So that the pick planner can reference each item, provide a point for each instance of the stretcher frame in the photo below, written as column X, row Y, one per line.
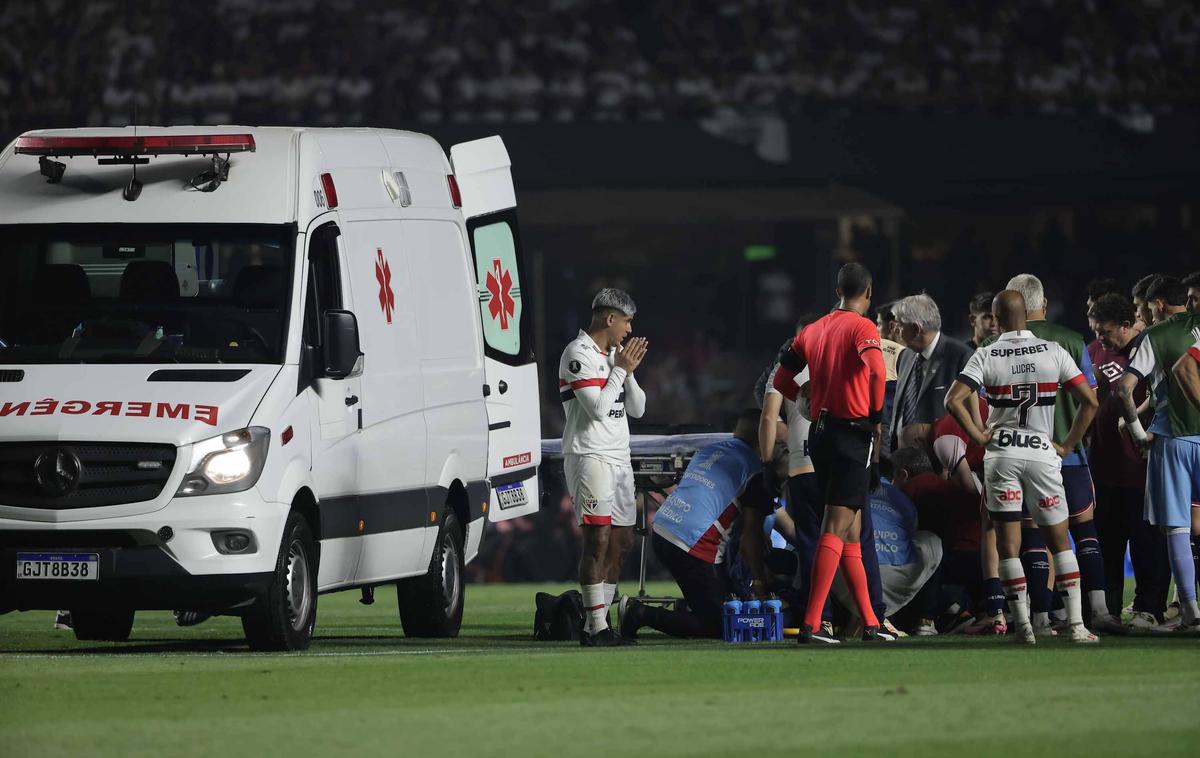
column 659, row 462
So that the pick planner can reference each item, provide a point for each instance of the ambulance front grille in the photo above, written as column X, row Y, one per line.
column 68, row 475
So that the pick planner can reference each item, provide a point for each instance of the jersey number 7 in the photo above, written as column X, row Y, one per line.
column 1026, row 396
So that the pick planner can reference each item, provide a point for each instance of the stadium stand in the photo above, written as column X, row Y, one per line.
column 342, row 62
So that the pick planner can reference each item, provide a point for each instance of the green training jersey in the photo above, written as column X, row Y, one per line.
column 1152, row 358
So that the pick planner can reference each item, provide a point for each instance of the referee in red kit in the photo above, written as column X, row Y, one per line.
column 846, row 379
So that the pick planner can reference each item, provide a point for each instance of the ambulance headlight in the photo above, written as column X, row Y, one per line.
column 228, row 463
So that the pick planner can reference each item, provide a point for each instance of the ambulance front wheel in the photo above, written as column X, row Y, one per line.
column 106, row 625
column 283, row 618
column 432, row 605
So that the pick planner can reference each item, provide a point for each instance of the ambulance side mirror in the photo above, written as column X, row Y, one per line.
column 342, row 355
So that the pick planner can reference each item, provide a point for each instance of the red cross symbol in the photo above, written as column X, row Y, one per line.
column 499, row 284
column 383, row 273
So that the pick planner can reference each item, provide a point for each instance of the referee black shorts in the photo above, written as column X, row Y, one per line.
column 841, row 455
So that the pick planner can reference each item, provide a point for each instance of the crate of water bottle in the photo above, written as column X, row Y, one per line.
column 753, row 620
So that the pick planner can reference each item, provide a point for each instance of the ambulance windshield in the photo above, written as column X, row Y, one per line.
column 160, row 293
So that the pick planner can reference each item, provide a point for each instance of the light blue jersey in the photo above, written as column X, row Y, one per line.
column 697, row 515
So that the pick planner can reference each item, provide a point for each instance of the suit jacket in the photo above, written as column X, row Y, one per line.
column 943, row 366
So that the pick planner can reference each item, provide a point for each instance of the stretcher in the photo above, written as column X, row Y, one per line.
column 659, row 461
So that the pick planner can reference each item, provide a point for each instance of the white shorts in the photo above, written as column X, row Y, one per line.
column 1038, row 485
column 602, row 491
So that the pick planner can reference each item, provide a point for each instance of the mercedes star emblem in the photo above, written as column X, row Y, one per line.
column 56, row 472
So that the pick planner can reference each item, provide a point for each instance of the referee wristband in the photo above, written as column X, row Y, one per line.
column 1136, row 431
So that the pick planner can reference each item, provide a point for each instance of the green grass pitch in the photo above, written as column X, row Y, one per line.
column 363, row 689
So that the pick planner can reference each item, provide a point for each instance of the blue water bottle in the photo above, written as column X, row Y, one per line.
column 774, row 610
column 733, row 608
column 753, row 607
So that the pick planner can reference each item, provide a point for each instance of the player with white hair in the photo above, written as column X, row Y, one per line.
column 597, row 389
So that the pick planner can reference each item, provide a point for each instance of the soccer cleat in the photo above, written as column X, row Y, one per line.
column 1059, row 624
column 808, row 636
column 62, row 620
column 629, row 617
column 1173, row 611
column 606, row 637
column 960, row 624
column 1177, row 626
column 1142, row 621
column 827, row 628
column 191, row 618
column 877, row 634
column 987, row 625
column 1081, row 635
column 1108, row 624
column 889, row 627
column 1044, row 630
column 926, row 629
column 1025, row 635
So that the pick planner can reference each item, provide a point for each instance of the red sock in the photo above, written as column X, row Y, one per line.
column 856, row 577
column 829, row 552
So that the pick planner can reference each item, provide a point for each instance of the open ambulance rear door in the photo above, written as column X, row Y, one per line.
column 489, row 203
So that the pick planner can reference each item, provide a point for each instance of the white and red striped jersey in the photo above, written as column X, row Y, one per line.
column 1020, row 375
column 596, row 395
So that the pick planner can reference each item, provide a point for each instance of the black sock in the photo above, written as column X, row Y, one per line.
column 1091, row 567
column 1196, row 558
column 993, row 593
column 1036, row 560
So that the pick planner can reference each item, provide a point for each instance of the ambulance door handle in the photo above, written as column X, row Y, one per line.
column 352, row 400
column 503, row 386
column 487, row 391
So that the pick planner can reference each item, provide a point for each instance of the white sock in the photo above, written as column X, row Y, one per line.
column 1099, row 602
column 1066, row 581
column 594, row 606
column 1012, row 577
column 610, row 594
column 1041, row 619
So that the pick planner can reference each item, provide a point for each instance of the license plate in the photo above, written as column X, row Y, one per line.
column 71, row 566
column 512, row 495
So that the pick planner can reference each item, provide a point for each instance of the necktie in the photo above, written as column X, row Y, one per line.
column 912, row 389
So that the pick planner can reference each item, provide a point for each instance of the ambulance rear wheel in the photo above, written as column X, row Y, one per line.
column 432, row 605
column 107, row 625
column 283, row 619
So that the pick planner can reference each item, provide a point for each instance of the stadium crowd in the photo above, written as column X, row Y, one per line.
column 347, row 63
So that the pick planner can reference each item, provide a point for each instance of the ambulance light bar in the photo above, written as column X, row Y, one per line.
column 166, row 144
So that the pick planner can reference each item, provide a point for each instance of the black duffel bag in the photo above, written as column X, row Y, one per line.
column 558, row 617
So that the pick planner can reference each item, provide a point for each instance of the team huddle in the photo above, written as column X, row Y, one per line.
column 838, row 459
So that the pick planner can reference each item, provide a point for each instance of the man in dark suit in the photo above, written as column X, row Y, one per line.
column 924, row 372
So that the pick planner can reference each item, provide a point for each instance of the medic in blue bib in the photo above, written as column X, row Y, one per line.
column 723, row 482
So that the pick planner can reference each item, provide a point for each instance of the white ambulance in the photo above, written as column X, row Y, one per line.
column 243, row 366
